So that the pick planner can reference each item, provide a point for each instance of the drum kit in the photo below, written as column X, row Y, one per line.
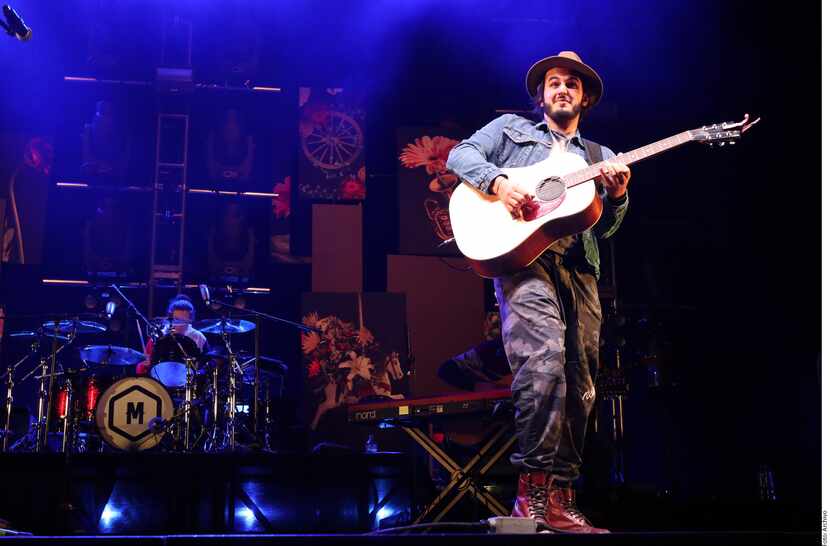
column 192, row 400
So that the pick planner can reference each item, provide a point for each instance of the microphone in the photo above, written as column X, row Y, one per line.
column 110, row 309
column 157, row 425
column 15, row 25
column 205, row 292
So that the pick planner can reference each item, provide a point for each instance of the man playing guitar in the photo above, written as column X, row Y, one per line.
column 550, row 310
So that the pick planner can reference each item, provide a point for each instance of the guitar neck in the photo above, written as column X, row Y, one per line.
column 629, row 158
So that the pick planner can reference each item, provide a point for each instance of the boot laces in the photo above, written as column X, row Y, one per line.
column 538, row 501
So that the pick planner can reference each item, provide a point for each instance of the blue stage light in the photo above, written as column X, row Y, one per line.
column 108, row 516
column 384, row 513
column 246, row 517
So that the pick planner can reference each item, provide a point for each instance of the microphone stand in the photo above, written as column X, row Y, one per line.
column 150, row 326
column 302, row 327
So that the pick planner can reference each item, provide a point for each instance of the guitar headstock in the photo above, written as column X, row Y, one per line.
column 723, row 133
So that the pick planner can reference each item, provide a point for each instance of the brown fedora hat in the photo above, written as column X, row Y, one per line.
column 570, row 60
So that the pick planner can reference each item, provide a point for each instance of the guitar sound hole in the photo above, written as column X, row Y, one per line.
column 550, row 189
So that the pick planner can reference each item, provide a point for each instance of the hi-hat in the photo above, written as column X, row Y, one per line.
column 219, row 326
column 111, row 355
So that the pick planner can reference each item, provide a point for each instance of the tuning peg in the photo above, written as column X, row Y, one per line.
column 731, row 142
column 722, row 144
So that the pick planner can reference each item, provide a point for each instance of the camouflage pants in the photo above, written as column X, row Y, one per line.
column 550, row 327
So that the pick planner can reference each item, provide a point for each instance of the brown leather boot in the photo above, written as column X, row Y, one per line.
column 532, row 496
column 563, row 515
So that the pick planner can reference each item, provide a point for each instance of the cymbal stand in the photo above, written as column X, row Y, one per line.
column 267, row 435
column 233, row 371
column 44, row 402
column 10, row 392
column 66, row 416
column 232, row 358
column 214, row 435
column 617, row 423
column 188, row 399
column 41, row 440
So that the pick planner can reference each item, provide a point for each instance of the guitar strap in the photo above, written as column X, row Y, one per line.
column 593, row 151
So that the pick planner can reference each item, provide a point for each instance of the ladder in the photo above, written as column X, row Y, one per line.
column 170, row 176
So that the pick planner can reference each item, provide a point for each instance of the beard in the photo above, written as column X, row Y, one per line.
column 562, row 117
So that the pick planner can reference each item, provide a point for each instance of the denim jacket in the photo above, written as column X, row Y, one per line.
column 514, row 141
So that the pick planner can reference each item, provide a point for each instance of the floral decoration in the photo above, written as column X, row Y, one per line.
column 432, row 153
column 345, row 364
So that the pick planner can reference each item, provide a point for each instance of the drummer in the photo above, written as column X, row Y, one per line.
column 182, row 313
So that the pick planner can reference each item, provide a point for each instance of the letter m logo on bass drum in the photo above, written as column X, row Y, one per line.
column 135, row 410
column 130, row 410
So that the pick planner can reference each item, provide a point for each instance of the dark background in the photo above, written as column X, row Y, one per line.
column 720, row 247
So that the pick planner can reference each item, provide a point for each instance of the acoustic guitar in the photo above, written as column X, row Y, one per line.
column 495, row 243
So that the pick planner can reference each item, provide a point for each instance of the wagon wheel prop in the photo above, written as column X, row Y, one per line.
column 334, row 143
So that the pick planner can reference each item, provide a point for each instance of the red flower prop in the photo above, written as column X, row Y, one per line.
column 39, row 155
column 352, row 188
column 429, row 152
column 281, row 204
column 314, row 369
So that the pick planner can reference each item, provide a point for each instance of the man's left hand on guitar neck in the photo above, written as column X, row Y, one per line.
column 615, row 177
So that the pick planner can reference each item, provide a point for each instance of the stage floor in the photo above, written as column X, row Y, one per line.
column 435, row 539
column 256, row 498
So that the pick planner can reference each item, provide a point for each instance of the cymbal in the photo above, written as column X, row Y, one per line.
column 269, row 368
column 230, row 326
column 267, row 365
column 111, row 355
column 220, row 352
column 74, row 326
column 32, row 334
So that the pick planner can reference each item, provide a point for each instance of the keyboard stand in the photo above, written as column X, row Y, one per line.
column 467, row 479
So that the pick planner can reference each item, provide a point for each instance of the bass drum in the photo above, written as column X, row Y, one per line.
column 125, row 411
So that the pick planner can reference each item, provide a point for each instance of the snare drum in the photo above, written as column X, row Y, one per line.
column 127, row 409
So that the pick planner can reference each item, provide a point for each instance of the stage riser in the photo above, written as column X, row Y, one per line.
column 176, row 493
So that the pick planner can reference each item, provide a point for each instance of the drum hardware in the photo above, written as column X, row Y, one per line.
column 267, row 435
column 111, row 355
column 9, row 375
column 227, row 441
column 190, row 364
column 73, row 327
column 46, row 395
column 152, row 329
column 174, row 361
column 64, row 404
column 159, row 426
column 50, row 405
column 37, row 335
column 222, row 328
